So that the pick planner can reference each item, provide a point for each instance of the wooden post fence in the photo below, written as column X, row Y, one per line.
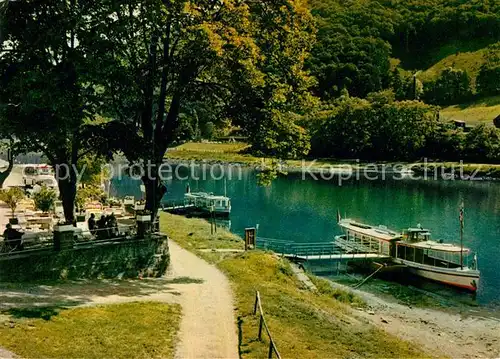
column 263, row 324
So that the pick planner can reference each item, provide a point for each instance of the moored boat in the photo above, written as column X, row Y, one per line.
column 442, row 262
column 219, row 206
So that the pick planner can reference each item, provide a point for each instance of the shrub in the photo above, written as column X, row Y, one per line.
column 45, row 199
column 482, row 144
column 488, row 80
column 89, row 193
column 12, row 197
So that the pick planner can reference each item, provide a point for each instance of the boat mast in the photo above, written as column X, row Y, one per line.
column 462, row 236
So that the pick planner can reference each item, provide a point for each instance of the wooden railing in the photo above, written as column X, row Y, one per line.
column 263, row 324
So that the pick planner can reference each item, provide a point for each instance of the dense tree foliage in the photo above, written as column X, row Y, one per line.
column 380, row 128
column 405, row 85
column 488, row 80
column 356, row 39
column 376, row 128
column 351, row 50
column 47, row 97
column 451, row 87
column 483, row 143
column 243, row 58
column 336, row 77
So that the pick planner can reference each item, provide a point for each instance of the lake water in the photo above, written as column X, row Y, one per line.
column 305, row 210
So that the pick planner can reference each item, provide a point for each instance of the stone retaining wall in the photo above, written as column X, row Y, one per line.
column 127, row 258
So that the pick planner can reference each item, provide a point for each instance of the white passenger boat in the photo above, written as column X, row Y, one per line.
column 442, row 262
column 209, row 203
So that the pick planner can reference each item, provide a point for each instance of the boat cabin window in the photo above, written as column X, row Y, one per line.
column 430, row 257
column 418, row 235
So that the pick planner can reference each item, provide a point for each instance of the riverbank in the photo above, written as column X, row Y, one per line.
column 303, row 323
column 237, row 154
column 336, row 318
column 457, row 335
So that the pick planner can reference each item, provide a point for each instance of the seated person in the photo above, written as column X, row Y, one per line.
column 102, row 227
column 112, row 225
column 13, row 238
column 92, row 224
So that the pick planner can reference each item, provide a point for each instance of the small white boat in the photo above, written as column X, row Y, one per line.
column 442, row 262
column 209, row 203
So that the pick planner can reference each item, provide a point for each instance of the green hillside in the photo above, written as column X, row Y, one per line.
column 474, row 113
column 470, row 61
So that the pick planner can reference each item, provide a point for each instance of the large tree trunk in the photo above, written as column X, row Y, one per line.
column 155, row 190
column 7, row 172
column 67, row 190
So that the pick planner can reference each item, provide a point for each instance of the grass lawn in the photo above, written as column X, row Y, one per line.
column 303, row 324
column 215, row 152
column 474, row 113
column 131, row 330
column 213, row 147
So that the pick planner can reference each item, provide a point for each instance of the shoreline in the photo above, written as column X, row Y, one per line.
column 436, row 332
column 468, row 172
column 456, row 334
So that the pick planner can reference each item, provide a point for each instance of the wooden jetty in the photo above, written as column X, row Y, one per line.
column 179, row 207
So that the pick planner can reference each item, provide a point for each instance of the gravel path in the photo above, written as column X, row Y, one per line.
column 4, row 354
column 208, row 326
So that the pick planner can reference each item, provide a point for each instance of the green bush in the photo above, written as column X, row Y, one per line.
column 482, row 144
column 45, row 199
column 488, row 80
column 89, row 193
column 12, row 197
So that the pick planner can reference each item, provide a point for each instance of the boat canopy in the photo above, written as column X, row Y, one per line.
column 380, row 232
column 207, row 196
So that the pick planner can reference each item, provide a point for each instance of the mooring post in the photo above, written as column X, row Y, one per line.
column 270, row 355
column 255, row 306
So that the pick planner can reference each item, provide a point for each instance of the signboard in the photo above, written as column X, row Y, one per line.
column 250, row 234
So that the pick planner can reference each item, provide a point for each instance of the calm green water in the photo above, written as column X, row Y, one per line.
column 305, row 211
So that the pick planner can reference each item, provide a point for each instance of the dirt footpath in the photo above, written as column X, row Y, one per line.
column 208, row 327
